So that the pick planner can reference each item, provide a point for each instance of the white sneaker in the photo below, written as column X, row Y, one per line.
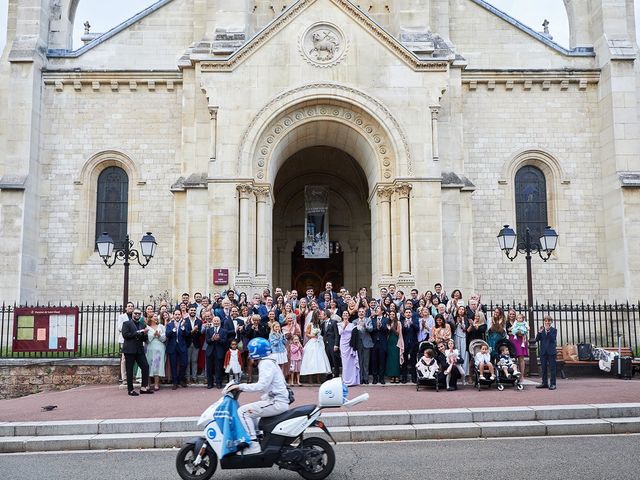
column 254, row 447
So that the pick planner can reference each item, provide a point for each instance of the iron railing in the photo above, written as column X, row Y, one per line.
column 598, row 324
column 97, row 332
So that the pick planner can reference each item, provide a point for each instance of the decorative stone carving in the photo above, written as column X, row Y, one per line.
column 323, row 45
column 349, row 115
column 384, row 193
column 244, row 190
column 262, row 193
column 403, row 189
column 372, row 131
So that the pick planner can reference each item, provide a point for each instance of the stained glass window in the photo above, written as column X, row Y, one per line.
column 531, row 202
column 112, row 204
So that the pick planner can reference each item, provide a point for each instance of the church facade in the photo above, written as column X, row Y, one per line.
column 430, row 123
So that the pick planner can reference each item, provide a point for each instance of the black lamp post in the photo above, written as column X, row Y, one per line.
column 127, row 252
column 507, row 239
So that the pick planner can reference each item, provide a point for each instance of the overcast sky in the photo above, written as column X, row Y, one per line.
column 104, row 15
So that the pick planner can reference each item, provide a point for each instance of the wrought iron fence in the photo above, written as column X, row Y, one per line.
column 598, row 324
column 97, row 332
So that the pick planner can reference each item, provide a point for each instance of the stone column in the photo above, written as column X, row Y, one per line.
column 262, row 232
column 434, row 133
column 244, row 191
column 213, row 135
column 384, row 198
column 403, row 190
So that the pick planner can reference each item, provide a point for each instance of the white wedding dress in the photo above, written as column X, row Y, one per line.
column 314, row 359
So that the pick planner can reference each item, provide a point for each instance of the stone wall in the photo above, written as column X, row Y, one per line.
column 20, row 377
column 130, row 124
column 500, row 126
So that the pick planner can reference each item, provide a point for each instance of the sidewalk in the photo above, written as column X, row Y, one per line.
column 110, row 402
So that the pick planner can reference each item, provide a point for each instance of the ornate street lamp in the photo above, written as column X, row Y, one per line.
column 507, row 239
column 127, row 252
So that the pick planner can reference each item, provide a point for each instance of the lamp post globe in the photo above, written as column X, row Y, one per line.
column 105, row 246
column 549, row 240
column 507, row 239
column 148, row 246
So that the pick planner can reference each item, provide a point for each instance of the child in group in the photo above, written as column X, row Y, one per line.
column 427, row 365
column 296, row 350
column 452, row 358
column 233, row 362
column 483, row 360
column 520, row 329
column 507, row 364
column 278, row 345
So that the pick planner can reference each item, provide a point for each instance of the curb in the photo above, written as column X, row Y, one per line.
column 462, row 423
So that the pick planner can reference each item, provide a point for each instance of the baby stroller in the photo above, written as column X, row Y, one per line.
column 422, row 380
column 474, row 347
column 501, row 379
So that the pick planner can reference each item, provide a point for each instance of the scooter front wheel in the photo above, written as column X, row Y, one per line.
column 320, row 462
column 188, row 471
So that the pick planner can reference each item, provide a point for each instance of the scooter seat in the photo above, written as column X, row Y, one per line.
column 267, row 424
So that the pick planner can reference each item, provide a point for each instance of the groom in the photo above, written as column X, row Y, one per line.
column 331, row 338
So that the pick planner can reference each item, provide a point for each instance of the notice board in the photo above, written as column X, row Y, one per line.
column 45, row 329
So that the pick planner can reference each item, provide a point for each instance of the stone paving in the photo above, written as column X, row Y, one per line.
column 111, row 402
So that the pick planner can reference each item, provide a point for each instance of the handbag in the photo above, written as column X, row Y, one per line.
column 585, row 352
column 355, row 337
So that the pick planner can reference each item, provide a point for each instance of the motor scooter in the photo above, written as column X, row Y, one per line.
column 281, row 439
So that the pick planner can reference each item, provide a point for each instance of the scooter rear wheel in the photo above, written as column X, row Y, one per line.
column 188, row 471
column 323, row 463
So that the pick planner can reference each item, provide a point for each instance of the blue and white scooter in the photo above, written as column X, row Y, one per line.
column 283, row 442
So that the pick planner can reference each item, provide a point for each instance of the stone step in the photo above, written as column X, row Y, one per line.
column 334, row 419
column 359, row 433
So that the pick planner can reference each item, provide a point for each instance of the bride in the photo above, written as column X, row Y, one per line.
column 314, row 361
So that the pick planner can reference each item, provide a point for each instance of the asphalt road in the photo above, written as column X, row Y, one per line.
column 563, row 458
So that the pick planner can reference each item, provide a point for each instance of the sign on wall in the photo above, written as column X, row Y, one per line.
column 45, row 329
column 316, row 224
column 220, row 276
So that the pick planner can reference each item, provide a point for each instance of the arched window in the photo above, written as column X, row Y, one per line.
column 531, row 202
column 112, row 204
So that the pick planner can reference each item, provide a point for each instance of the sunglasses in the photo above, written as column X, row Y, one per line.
column 137, row 313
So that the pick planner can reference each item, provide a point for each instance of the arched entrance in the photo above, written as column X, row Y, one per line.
column 332, row 135
column 349, row 263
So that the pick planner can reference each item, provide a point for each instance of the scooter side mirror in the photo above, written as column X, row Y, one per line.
column 359, row 399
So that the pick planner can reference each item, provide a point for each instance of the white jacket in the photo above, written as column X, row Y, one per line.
column 270, row 381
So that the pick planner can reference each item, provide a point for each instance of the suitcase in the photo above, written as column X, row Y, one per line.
column 623, row 367
column 585, row 352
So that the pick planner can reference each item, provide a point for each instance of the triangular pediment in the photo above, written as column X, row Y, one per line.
column 211, row 62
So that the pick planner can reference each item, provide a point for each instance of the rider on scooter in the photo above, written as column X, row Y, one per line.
column 271, row 381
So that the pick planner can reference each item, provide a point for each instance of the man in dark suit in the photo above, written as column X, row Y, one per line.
column 135, row 334
column 178, row 334
column 410, row 329
column 234, row 327
column 194, row 346
column 331, row 338
column 546, row 337
column 379, row 336
column 216, row 338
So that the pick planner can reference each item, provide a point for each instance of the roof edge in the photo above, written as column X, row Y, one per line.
column 60, row 53
column 573, row 52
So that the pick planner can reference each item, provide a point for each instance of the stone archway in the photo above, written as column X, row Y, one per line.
column 364, row 132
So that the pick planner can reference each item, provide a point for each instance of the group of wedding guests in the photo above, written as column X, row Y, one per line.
column 315, row 336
